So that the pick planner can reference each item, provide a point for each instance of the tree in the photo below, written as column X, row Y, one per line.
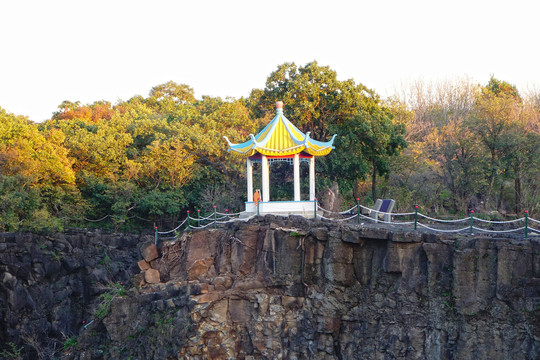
column 35, row 172
column 179, row 93
column 168, row 97
column 318, row 102
column 473, row 142
column 27, row 151
column 456, row 151
column 368, row 140
column 496, row 112
column 219, row 175
column 312, row 95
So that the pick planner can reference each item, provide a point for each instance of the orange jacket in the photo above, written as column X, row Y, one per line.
column 257, row 197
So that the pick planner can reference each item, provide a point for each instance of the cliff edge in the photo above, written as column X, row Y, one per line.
column 277, row 287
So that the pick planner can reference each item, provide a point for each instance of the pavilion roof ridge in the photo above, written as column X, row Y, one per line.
column 292, row 131
column 281, row 137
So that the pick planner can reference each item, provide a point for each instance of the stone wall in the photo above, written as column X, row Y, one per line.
column 292, row 288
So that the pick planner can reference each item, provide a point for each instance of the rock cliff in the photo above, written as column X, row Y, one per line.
column 273, row 288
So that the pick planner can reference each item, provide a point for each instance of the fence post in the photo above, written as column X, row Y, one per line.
column 358, row 209
column 199, row 218
column 471, row 221
column 188, row 219
column 258, row 204
column 415, row 216
column 215, row 217
column 315, row 208
column 156, row 235
column 526, row 223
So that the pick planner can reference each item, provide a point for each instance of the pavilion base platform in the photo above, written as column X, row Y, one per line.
column 280, row 208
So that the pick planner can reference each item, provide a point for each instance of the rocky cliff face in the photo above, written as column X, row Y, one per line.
column 287, row 288
column 50, row 284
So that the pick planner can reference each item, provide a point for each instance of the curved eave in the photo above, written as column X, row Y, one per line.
column 319, row 148
column 295, row 143
column 246, row 154
column 321, row 151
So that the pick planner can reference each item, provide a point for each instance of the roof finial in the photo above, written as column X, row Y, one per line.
column 279, row 105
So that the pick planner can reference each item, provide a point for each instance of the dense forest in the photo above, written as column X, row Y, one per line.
column 448, row 147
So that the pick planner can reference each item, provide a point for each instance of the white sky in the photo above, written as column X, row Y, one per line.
column 87, row 51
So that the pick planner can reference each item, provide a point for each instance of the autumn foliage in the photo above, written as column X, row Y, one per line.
column 145, row 161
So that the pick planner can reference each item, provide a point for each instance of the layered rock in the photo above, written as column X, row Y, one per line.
column 296, row 289
column 51, row 284
column 293, row 288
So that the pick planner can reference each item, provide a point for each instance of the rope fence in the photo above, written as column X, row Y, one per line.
column 358, row 213
column 211, row 220
column 428, row 222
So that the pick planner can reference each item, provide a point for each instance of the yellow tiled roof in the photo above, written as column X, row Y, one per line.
column 281, row 137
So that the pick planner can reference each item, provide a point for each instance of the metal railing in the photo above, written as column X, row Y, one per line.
column 432, row 222
column 357, row 213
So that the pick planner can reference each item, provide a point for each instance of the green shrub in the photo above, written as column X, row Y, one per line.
column 69, row 343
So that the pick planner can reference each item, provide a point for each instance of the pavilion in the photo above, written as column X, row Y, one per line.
column 280, row 140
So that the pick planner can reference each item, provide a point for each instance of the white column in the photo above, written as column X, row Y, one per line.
column 312, row 178
column 296, row 165
column 249, row 175
column 265, row 179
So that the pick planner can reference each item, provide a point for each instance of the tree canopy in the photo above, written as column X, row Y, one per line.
column 145, row 161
